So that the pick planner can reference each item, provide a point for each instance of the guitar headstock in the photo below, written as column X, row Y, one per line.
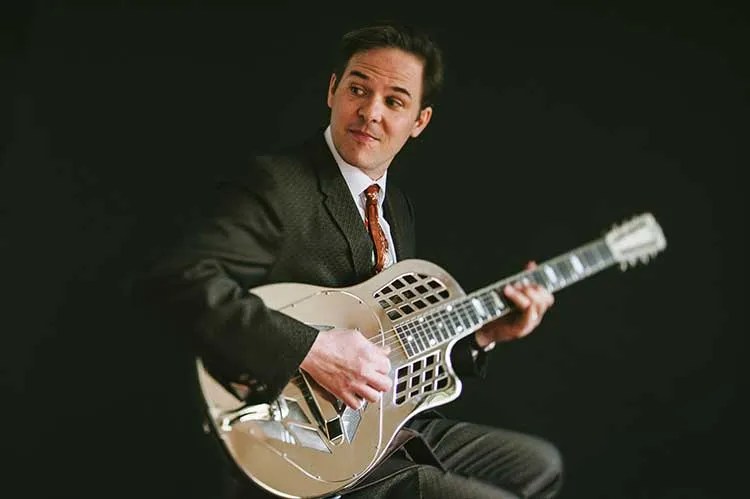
column 637, row 239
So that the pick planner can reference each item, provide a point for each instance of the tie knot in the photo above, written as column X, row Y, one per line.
column 372, row 192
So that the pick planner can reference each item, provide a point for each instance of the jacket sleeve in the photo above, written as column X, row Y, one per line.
column 464, row 363
column 202, row 287
column 462, row 360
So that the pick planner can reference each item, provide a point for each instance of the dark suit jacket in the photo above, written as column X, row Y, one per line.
column 289, row 217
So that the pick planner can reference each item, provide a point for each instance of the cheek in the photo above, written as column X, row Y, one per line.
column 403, row 129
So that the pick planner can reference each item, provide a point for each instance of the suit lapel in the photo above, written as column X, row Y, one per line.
column 340, row 205
column 393, row 212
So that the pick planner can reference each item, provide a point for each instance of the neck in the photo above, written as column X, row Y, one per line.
column 375, row 173
column 461, row 317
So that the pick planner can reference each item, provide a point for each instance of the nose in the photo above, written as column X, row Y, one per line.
column 371, row 110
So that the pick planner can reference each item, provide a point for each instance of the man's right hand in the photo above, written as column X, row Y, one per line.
column 349, row 366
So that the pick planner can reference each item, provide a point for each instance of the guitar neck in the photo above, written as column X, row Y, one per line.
column 459, row 318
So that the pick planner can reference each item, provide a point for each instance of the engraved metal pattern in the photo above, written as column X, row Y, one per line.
column 410, row 293
column 293, row 429
column 422, row 376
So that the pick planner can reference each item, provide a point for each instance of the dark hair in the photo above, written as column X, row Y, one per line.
column 407, row 38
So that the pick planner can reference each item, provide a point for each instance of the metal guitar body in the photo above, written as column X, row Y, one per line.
column 306, row 443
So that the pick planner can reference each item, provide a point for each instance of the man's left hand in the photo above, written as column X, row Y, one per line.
column 531, row 302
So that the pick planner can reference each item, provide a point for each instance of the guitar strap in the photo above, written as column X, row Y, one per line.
column 411, row 450
column 415, row 447
column 421, row 453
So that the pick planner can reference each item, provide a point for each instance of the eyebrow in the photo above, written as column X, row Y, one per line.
column 359, row 74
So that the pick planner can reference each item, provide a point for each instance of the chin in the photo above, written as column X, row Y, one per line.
column 356, row 160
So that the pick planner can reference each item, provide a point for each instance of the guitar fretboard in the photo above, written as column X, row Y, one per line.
column 458, row 318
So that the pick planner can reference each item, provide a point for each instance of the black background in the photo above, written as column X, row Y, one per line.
column 556, row 122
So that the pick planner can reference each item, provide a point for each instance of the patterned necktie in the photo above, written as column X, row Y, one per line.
column 373, row 226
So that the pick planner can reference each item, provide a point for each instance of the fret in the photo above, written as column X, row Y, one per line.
column 419, row 331
column 422, row 334
column 458, row 318
column 442, row 325
column 445, row 320
column 537, row 276
column 458, row 326
column 600, row 256
column 500, row 299
column 414, row 333
column 577, row 265
column 583, row 258
column 437, row 324
column 606, row 255
column 479, row 308
column 462, row 311
column 552, row 278
column 489, row 305
column 409, row 337
column 564, row 269
column 430, row 333
column 473, row 317
column 471, row 314
column 590, row 258
column 405, row 341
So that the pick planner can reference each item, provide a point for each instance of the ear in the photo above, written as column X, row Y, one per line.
column 331, row 89
column 422, row 120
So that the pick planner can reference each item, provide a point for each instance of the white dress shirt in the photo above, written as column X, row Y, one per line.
column 358, row 181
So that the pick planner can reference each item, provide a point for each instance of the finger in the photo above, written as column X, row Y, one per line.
column 530, row 265
column 379, row 381
column 368, row 393
column 517, row 297
column 382, row 363
column 351, row 400
column 534, row 315
column 539, row 296
column 531, row 304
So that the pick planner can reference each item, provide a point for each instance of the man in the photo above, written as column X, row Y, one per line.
column 304, row 216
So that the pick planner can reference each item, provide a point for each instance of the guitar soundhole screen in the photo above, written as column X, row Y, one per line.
column 410, row 293
column 420, row 377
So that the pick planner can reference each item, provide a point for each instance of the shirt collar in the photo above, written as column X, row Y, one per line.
column 356, row 179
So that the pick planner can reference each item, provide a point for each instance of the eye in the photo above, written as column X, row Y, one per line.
column 393, row 102
column 355, row 90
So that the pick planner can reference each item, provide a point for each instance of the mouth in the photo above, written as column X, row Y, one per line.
column 363, row 136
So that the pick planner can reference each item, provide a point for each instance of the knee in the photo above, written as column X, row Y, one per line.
column 550, row 455
column 549, row 467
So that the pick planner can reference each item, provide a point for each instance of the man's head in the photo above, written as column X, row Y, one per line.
column 382, row 93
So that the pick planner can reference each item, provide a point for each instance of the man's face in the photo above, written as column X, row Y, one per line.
column 375, row 108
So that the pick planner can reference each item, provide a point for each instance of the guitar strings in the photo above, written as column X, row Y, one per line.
column 600, row 260
column 394, row 339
